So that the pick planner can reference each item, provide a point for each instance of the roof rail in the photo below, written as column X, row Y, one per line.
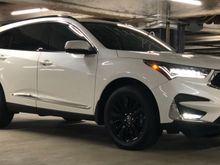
column 49, row 16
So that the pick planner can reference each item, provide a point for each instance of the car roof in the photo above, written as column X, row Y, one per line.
column 84, row 20
column 41, row 17
column 17, row 23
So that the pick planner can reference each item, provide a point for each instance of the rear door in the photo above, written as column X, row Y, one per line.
column 18, row 62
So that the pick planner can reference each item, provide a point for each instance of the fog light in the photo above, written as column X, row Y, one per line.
column 188, row 113
column 180, row 112
column 191, row 116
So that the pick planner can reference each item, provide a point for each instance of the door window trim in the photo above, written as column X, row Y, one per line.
column 69, row 25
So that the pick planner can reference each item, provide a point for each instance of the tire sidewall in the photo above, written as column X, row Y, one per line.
column 151, row 116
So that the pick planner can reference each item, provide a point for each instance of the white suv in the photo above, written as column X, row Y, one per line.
column 112, row 73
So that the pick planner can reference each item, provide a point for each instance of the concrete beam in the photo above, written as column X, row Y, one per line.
column 208, row 8
column 128, row 9
column 123, row 9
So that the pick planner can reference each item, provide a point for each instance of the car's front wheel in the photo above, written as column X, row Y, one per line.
column 131, row 118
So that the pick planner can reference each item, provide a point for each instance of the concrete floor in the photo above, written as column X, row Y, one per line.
column 33, row 140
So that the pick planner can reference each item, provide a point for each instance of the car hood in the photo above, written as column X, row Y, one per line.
column 204, row 61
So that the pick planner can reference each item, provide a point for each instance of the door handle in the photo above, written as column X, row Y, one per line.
column 3, row 57
column 46, row 63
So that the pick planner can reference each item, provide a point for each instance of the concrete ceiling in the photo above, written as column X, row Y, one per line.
column 114, row 9
column 125, row 8
column 208, row 8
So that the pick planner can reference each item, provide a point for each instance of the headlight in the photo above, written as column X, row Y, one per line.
column 175, row 70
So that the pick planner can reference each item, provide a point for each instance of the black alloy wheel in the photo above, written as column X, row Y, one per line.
column 131, row 118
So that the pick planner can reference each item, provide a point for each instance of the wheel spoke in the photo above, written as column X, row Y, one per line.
column 136, row 131
column 120, row 106
column 136, row 106
column 116, row 125
column 139, row 123
column 116, row 109
column 125, row 100
column 121, row 132
column 127, row 118
column 112, row 122
column 115, row 115
column 136, row 112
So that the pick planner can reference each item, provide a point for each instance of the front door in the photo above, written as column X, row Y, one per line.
column 66, row 81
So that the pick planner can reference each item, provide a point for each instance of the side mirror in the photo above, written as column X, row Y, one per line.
column 79, row 47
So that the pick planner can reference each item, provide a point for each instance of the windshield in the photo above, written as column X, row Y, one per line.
column 122, row 37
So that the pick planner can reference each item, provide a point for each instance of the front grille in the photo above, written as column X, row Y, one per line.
column 215, row 80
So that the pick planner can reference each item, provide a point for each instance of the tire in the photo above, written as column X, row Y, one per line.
column 5, row 116
column 132, row 119
column 71, row 120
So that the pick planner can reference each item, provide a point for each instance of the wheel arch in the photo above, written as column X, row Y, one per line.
column 111, row 87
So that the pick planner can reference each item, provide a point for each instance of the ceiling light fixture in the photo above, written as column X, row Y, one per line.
column 29, row 11
column 190, row 2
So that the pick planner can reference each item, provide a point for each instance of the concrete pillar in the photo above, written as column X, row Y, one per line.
column 180, row 38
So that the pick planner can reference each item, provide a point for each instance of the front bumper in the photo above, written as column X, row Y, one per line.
column 194, row 129
column 189, row 120
column 196, row 96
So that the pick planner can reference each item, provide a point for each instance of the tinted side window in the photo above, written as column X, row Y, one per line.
column 29, row 37
column 59, row 35
column 105, row 34
column 5, row 39
column 120, row 38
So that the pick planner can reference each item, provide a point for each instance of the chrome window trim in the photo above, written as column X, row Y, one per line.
column 48, row 20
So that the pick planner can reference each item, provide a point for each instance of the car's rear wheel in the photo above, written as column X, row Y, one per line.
column 132, row 119
column 5, row 116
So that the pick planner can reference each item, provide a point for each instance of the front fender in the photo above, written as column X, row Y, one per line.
column 116, row 68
